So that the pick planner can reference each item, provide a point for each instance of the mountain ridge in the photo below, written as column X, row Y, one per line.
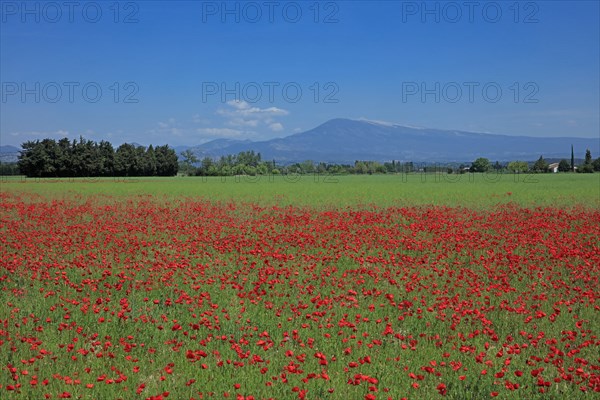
column 342, row 140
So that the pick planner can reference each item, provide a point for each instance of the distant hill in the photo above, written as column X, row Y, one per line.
column 9, row 153
column 345, row 140
column 215, row 146
column 9, row 149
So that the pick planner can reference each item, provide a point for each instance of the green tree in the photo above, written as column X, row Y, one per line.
column 224, row 171
column 26, row 162
column 390, row 167
column 205, row 165
column 540, row 165
column 150, row 161
column 263, row 168
column 166, row 161
column 139, row 161
column 39, row 159
column 187, row 165
column 9, row 168
column 125, row 160
column 238, row 169
column 307, row 167
column 587, row 166
column 248, row 158
column 249, row 170
column 564, row 166
column 50, row 157
column 360, row 167
column 596, row 164
column 480, row 165
column 588, row 157
column 572, row 159
column 84, row 158
column 106, row 154
column 518, row 167
column 322, row 168
column 94, row 161
column 189, row 157
column 47, row 158
column 64, row 161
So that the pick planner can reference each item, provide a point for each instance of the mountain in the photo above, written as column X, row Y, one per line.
column 9, row 153
column 345, row 140
column 218, row 144
column 9, row 149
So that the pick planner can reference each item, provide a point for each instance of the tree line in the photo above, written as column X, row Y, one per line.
column 251, row 163
column 541, row 165
column 86, row 158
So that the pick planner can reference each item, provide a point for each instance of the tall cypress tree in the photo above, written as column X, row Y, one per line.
column 572, row 159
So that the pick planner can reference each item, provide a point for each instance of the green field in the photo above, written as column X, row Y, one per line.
column 359, row 287
column 468, row 190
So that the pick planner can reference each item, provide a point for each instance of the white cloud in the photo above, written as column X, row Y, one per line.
column 170, row 127
column 176, row 131
column 41, row 134
column 239, row 120
column 240, row 113
column 276, row 127
column 243, row 122
column 239, row 104
column 165, row 129
column 197, row 119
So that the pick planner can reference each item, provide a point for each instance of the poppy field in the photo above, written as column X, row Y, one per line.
column 155, row 297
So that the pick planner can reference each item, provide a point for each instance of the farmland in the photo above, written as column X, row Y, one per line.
column 327, row 191
column 375, row 287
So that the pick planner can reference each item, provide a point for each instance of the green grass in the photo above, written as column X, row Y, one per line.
column 468, row 190
column 84, row 282
column 176, row 260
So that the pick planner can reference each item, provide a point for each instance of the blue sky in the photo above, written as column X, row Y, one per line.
column 154, row 72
